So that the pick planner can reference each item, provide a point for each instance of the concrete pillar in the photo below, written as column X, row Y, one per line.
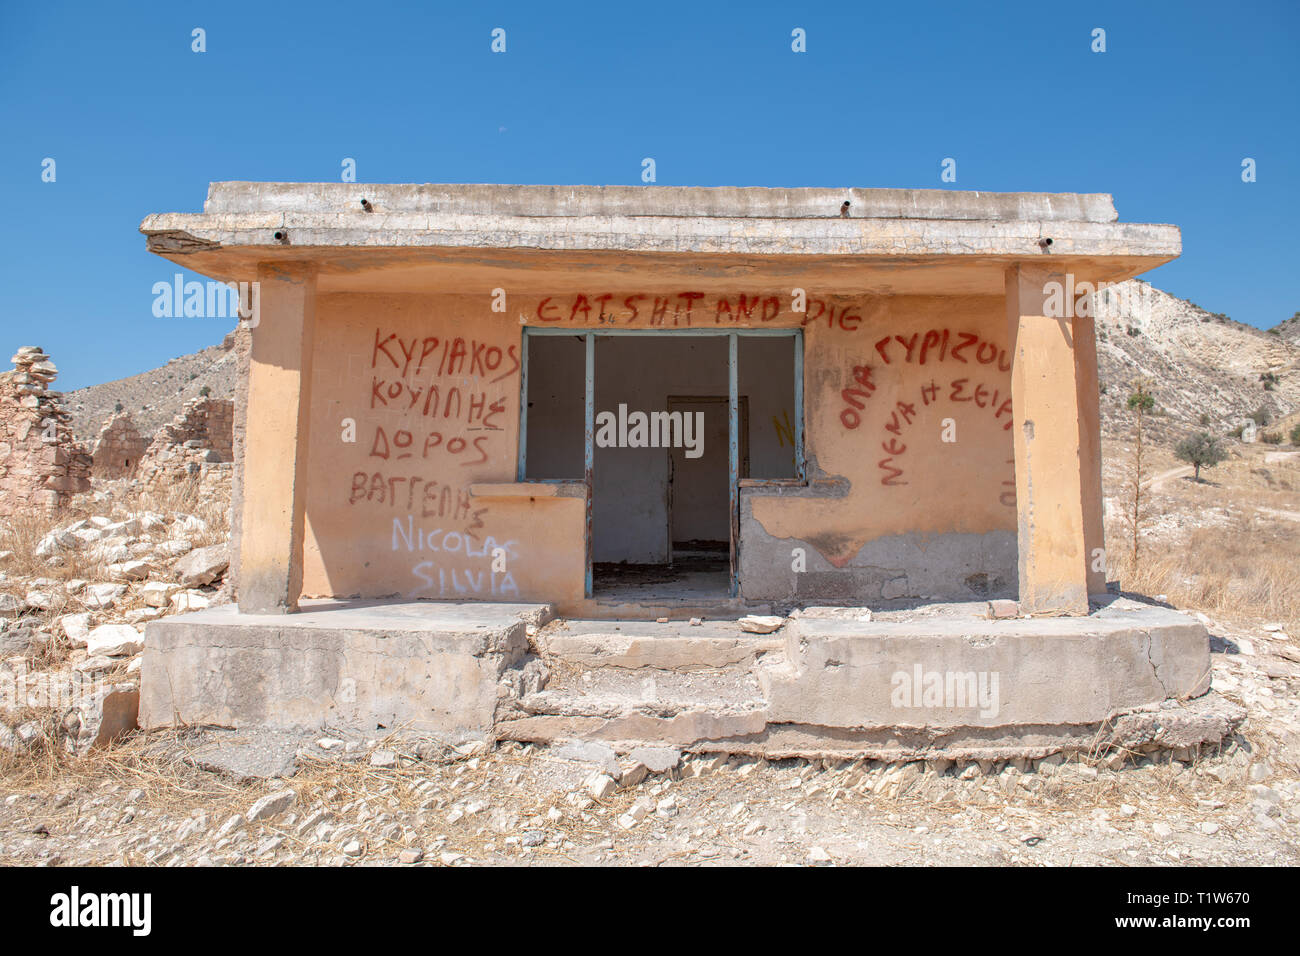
column 1089, row 399
column 1048, row 428
column 275, row 441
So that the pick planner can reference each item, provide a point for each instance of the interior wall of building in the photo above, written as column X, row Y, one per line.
column 630, row 516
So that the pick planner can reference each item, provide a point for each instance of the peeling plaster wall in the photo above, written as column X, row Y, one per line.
column 892, row 511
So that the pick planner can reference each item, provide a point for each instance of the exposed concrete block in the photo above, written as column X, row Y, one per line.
column 953, row 672
column 363, row 666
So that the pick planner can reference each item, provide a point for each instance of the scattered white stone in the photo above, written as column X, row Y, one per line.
column 634, row 774
column 158, row 593
column 97, row 664
column 112, row 552
column 271, row 805
column 818, row 855
column 383, row 759
column 173, row 548
column 601, row 786
column 11, row 606
column 190, row 524
column 131, row 570
column 190, row 601
column 76, row 628
column 42, row 599
column 760, row 623
column 202, row 566
column 114, row 640
column 56, row 542
column 102, row 595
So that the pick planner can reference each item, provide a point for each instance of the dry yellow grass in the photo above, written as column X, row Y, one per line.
column 1248, row 571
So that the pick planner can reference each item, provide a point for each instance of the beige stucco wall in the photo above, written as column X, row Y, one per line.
column 893, row 510
column 881, row 475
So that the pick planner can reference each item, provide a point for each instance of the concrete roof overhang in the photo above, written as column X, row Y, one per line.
column 455, row 238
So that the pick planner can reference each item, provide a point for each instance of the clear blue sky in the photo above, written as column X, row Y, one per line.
column 137, row 123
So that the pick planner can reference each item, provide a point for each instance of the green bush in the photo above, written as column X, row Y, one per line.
column 1202, row 450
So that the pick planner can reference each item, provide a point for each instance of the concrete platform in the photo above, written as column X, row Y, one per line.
column 363, row 666
column 933, row 681
column 927, row 683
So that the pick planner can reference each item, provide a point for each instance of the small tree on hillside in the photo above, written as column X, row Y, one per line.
column 1200, row 451
column 1141, row 403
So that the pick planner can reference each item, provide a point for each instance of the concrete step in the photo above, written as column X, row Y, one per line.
column 656, row 606
column 673, row 646
column 635, row 687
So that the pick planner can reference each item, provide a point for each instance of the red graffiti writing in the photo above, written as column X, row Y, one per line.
column 401, row 445
column 454, row 356
column 941, row 345
column 404, row 492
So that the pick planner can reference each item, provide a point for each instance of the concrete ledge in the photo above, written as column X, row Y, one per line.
column 364, row 666
column 971, row 672
column 529, row 489
column 1171, row 725
column 181, row 233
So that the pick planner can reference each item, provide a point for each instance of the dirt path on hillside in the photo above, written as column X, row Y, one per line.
column 1154, row 482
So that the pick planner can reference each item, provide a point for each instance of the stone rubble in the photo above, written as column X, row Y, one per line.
column 95, row 627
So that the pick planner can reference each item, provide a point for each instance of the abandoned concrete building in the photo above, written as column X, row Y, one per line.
column 472, row 408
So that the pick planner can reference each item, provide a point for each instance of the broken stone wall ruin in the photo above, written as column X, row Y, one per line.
column 118, row 449
column 197, row 445
column 41, row 464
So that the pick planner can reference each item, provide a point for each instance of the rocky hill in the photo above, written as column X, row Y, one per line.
column 1204, row 370
column 155, row 397
column 1288, row 330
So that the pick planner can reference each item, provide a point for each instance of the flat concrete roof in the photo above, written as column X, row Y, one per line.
column 686, row 202
column 436, row 236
